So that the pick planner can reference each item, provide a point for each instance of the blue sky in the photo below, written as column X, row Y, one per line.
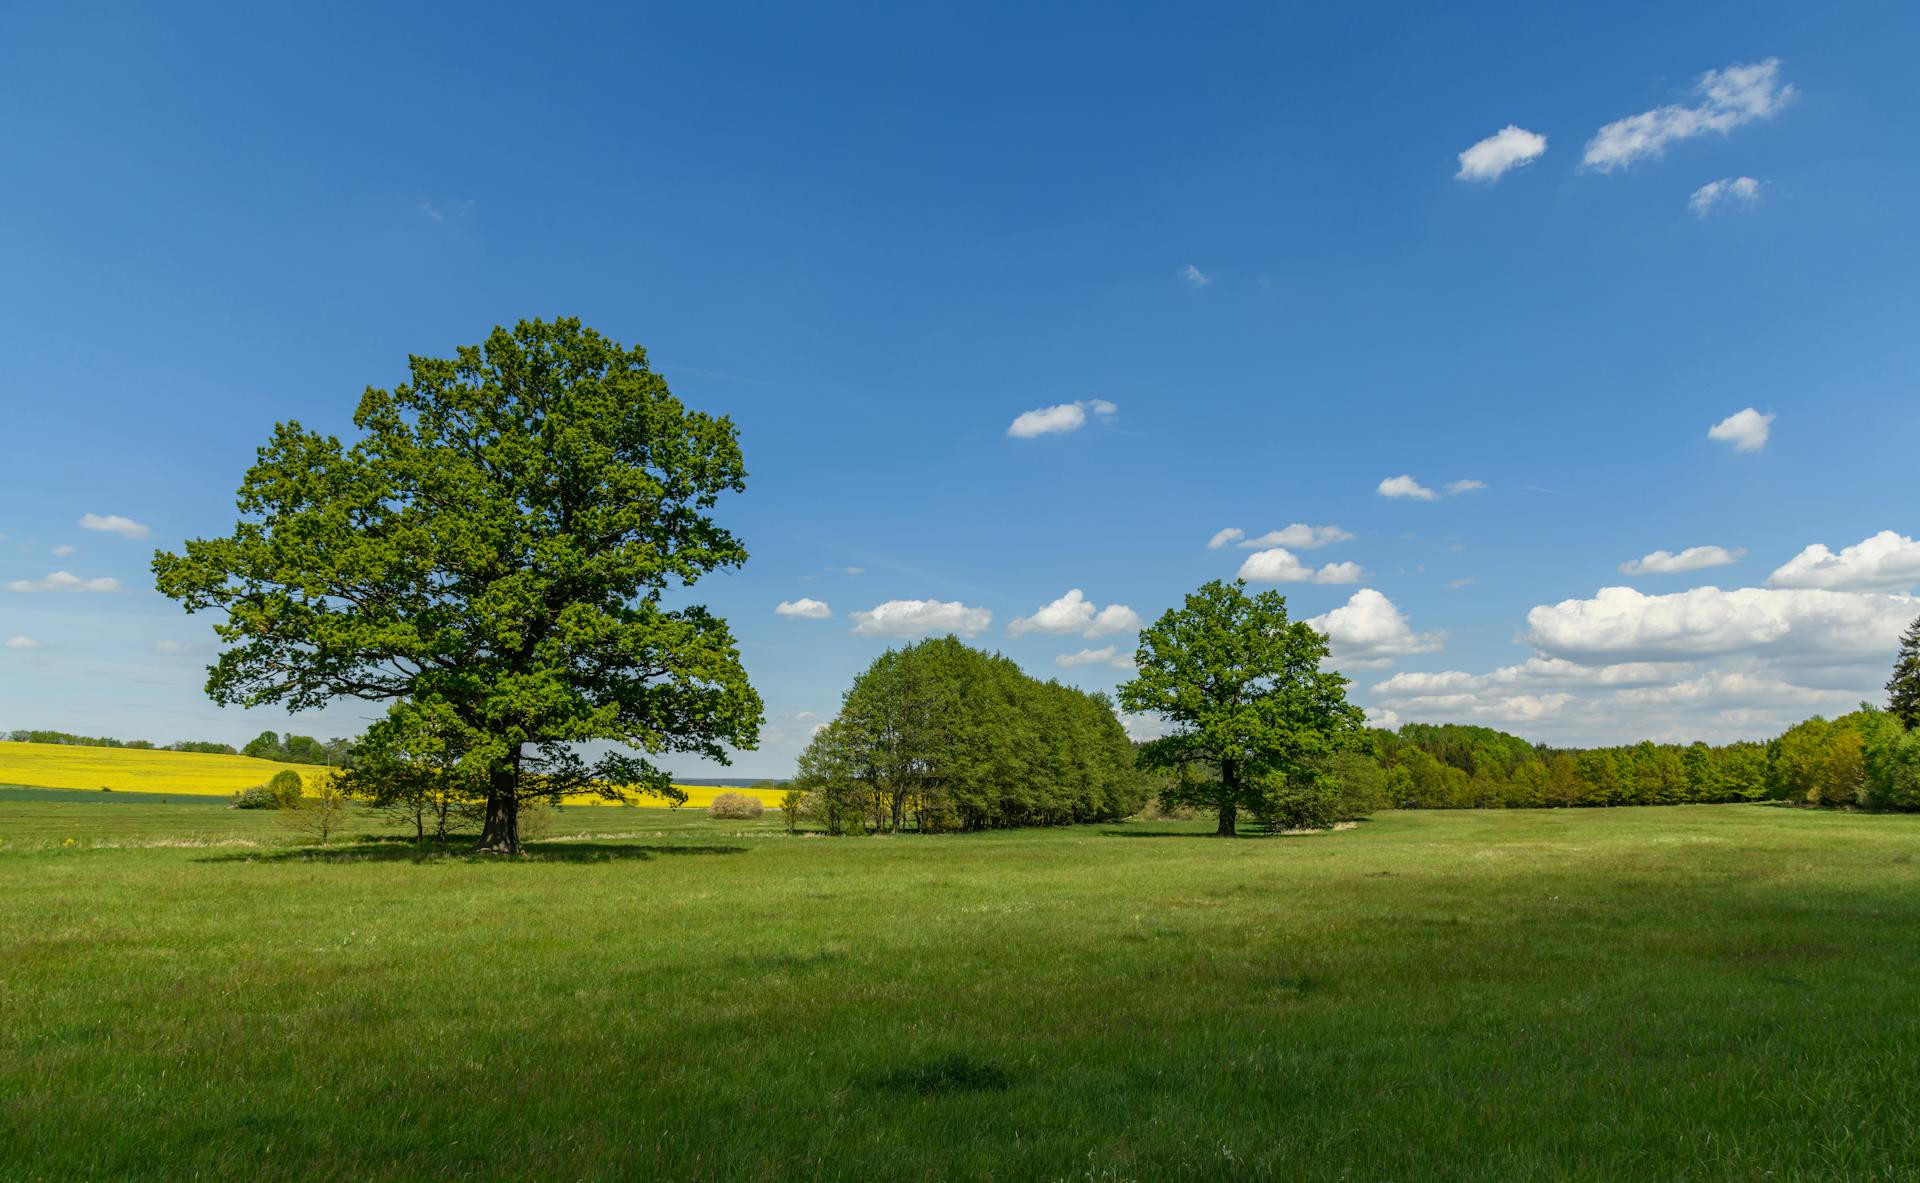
column 1244, row 246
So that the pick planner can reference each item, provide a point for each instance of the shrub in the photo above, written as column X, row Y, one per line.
column 287, row 788
column 1308, row 806
column 258, row 797
column 793, row 803
column 735, row 805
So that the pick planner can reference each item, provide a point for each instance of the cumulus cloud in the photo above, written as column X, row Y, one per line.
column 1195, row 276
column 1059, row 419
column 1404, row 486
column 22, row 642
column 804, row 609
column 1694, row 558
column 1074, row 613
column 1107, row 655
column 1623, row 624
column 1299, row 535
column 61, row 552
column 1281, row 565
column 918, row 618
column 1222, row 537
column 1551, row 699
column 1369, row 632
column 113, row 523
column 1466, row 486
column 1727, row 191
column 1746, row 430
column 1725, row 99
column 65, row 581
column 1509, row 148
column 1885, row 562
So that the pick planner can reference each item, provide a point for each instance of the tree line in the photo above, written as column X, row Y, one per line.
column 1867, row 759
column 29, row 735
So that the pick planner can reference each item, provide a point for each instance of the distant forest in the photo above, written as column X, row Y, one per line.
column 1861, row 759
column 268, row 745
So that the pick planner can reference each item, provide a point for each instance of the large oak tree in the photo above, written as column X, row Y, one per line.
column 1243, row 690
column 500, row 544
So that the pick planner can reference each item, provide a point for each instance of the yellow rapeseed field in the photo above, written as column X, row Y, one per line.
column 137, row 770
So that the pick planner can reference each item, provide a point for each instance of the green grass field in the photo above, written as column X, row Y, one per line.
column 1715, row 992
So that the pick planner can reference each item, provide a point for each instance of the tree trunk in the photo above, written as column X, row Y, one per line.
column 501, row 834
column 1229, row 815
column 1229, row 800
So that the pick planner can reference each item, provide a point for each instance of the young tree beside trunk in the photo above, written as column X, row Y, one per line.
column 498, row 545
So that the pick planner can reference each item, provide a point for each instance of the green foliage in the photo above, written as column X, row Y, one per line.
column 417, row 767
column 1891, row 754
column 1312, row 804
column 1903, row 689
column 1242, row 688
column 287, row 787
column 735, row 805
column 321, row 813
column 1819, row 762
column 258, row 797
column 940, row 736
column 500, row 542
column 300, row 749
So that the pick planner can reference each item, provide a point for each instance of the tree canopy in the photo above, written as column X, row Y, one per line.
column 500, row 542
column 941, row 736
column 1252, row 712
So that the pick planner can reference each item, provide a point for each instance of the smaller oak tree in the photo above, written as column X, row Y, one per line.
column 1252, row 711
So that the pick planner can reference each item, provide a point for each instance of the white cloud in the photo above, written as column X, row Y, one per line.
column 804, row 609
column 1467, row 486
column 1381, row 717
column 1622, row 624
column 1369, row 632
column 1300, row 536
column 170, row 647
column 1741, row 191
column 1457, row 584
column 1746, row 430
column 1195, row 276
column 1222, row 537
column 917, row 618
column 1105, row 655
column 1058, row 419
column 1509, row 148
column 1114, row 618
column 1727, row 99
column 65, row 581
column 1556, row 700
column 1885, row 562
column 113, row 523
column 1404, row 486
column 1074, row 613
column 1694, row 558
column 20, row 642
column 1280, row 565
column 61, row 552
column 1140, row 728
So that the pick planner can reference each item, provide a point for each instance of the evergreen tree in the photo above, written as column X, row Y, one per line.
column 1903, row 689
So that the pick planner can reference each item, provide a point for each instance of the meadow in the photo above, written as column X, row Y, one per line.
column 199, row 774
column 1702, row 992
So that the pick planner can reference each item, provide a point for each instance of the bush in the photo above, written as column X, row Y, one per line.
column 258, row 797
column 735, row 805
column 793, row 805
column 1301, row 807
column 287, row 788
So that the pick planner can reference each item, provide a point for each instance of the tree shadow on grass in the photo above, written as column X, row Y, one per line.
column 1162, row 834
column 388, row 851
